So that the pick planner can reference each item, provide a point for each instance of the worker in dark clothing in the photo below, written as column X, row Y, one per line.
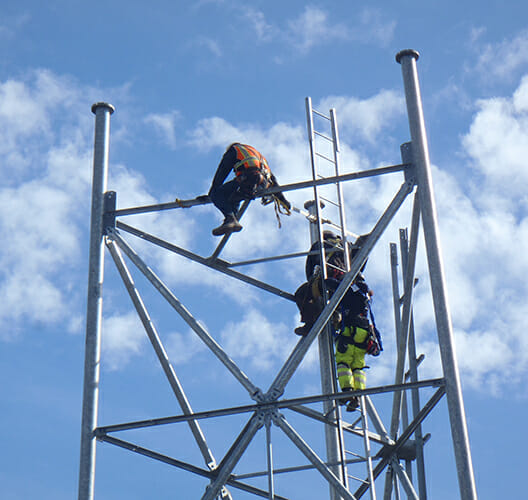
column 355, row 338
column 354, row 334
column 252, row 176
column 308, row 295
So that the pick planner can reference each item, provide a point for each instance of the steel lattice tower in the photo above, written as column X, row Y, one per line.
column 384, row 449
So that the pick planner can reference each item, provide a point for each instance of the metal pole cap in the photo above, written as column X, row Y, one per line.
column 102, row 105
column 407, row 52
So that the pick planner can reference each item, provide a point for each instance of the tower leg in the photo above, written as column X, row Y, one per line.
column 420, row 153
column 102, row 113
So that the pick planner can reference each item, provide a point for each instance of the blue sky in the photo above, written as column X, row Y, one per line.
column 187, row 79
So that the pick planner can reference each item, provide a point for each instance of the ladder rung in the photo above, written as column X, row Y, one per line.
column 358, row 479
column 354, row 454
column 325, row 157
column 323, row 136
column 330, row 201
column 336, row 267
column 318, row 113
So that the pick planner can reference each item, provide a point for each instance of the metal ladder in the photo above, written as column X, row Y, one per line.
column 324, row 156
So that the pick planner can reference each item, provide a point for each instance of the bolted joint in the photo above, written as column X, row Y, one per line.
column 406, row 153
column 405, row 451
column 109, row 207
column 258, row 396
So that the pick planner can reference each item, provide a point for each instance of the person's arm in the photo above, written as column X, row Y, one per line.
column 275, row 183
column 224, row 168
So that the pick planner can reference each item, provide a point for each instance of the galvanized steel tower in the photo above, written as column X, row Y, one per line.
column 382, row 449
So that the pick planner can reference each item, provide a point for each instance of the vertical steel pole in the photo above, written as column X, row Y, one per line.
column 420, row 152
column 94, row 308
column 335, row 452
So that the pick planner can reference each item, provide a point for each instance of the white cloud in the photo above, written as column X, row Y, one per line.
column 264, row 342
column 504, row 59
column 258, row 24
column 484, row 240
column 374, row 27
column 164, row 124
column 183, row 348
column 212, row 46
column 312, row 27
column 365, row 117
column 122, row 337
column 496, row 142
column 46, row 203
column 484, row 227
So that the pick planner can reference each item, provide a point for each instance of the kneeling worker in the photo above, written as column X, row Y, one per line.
column 252, row 176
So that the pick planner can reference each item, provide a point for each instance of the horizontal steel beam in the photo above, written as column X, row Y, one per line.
column 185, row 466
column 204, row 200
column 284, row 403
column 217, row 264
column 387, row 452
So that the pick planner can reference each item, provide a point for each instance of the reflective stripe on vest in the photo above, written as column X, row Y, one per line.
column 249, row 157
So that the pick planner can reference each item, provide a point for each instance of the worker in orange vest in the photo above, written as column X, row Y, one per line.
column 252, row 176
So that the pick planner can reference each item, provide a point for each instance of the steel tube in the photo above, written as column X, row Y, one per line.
column 187, row 316
column 413, row 374
column 404, row 480
column 283, row 403
column 297, row 440
column 269, row 457
column 163, row 358
column 184, row 466
column 406, row 316
column 366, row 443
column 233, row 456
column 297, row 355
column 217, row 264
column 94, row 306
column 286, row 187
column 406, row 434
column 308, row 412
column 335, row 452
column 466, row 480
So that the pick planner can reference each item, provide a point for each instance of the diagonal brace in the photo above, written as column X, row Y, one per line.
column 253, row 390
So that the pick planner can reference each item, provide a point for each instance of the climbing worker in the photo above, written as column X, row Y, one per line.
column 252, row 176
column 355, row 337
column 308, row 296
column 354, row 334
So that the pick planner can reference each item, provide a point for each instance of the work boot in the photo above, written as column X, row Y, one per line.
column 230, row 225
column 345, row 401
column 302, row 330
column 353, row 403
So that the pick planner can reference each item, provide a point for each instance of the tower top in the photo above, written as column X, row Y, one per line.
column 407, row 52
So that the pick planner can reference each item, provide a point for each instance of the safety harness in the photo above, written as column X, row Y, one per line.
column 280, row 207
column 372, row 343
column 251, row 165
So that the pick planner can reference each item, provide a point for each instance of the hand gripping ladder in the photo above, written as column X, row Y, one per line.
column 324, row 156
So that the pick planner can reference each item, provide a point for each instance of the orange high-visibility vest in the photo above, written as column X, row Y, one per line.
column 249, row 158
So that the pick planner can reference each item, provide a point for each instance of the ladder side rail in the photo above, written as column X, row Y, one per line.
column 313, row 158
column 340, row 200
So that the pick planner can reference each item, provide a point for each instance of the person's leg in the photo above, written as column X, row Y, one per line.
column 357, row 360
column 223, row 194
column 357, row 365
column 344, row 373
column 308, row 307
column 224, row 197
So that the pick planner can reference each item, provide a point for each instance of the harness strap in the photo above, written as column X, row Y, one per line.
column 349, row 339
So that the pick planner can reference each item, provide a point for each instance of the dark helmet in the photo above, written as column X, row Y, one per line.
column 330, row 235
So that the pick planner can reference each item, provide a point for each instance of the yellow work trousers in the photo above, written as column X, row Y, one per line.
column 351, row 363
